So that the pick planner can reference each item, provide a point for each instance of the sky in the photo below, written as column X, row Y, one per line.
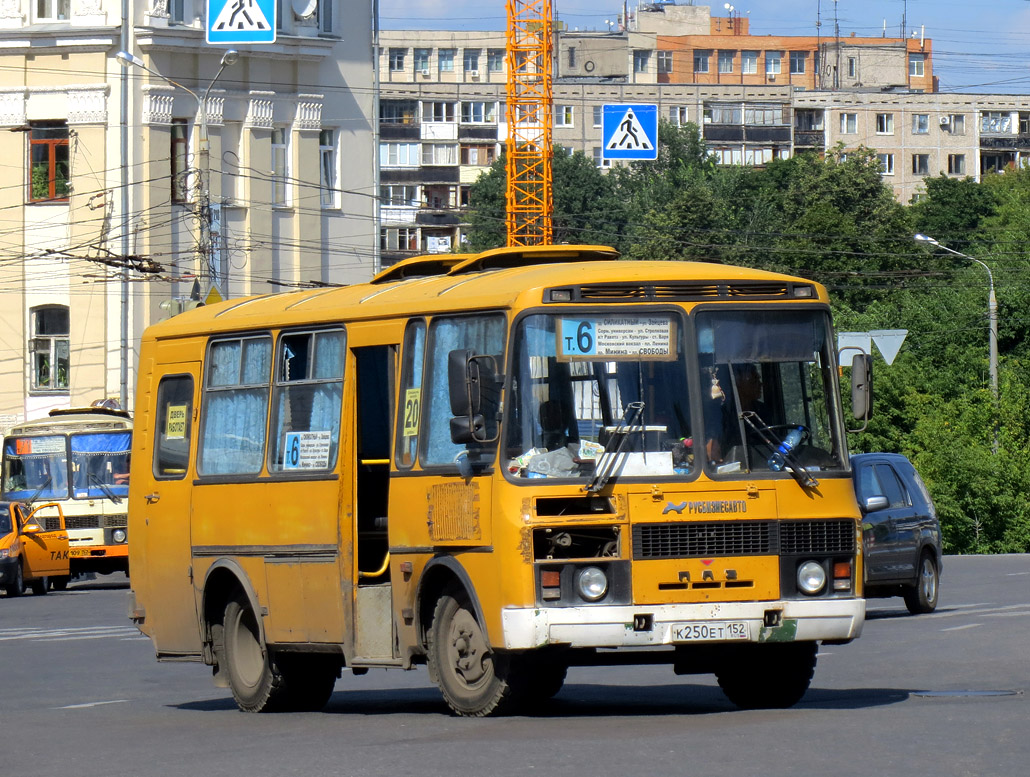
column 979, row 45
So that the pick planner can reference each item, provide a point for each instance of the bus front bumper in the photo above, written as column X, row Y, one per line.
column 788, row 620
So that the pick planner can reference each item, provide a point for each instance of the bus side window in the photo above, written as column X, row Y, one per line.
column 173, row 424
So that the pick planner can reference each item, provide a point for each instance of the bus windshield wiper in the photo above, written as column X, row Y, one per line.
column 103, row 487
column 41, row 489
column 606, row 461
column 798, row 472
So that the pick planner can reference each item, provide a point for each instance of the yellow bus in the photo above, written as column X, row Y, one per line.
column 78, row 458
column 498, row 465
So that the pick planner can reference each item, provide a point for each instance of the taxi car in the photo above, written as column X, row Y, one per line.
column 33, row 547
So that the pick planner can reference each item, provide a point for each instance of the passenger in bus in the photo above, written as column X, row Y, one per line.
column 724, row 406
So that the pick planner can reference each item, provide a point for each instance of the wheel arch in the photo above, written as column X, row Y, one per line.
column 224, row 580
column 441, row 574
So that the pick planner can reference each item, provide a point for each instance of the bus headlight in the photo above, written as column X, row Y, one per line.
column 118, row 535
column 591, row 583
column 811, row 577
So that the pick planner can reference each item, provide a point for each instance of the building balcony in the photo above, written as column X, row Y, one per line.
column 392, row 131
column 809, row 138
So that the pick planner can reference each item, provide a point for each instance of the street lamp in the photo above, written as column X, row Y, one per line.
column 992, row 307
column 202, row 192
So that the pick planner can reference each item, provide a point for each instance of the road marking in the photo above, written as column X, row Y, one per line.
column 67, row 634
column 959, row 628
column 90, row 704
column 1017, row 574
column 985, row 611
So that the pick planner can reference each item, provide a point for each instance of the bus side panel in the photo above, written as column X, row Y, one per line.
column 292, row 529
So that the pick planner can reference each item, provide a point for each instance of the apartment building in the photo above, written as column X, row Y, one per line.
column 103, row 226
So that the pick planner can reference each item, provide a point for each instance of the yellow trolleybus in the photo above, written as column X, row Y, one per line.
column 79, row 458
column 499, row 465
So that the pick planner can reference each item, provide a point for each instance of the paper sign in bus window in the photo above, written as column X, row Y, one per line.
column 308, row 450
column 175, row 423
column 617, row 338
column 412, row 410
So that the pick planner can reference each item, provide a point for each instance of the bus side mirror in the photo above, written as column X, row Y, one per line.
column 862, row 386
column 473, row 387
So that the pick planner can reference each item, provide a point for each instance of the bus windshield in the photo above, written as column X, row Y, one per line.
column 766, row 376
column 584, row 384
column 100, row 465
column 36, row 468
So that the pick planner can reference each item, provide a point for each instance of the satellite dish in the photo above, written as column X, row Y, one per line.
column 304, row 9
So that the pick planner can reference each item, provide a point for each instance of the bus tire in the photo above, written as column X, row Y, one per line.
column 475, row 681
column 769, row 676
column 922, row 597
column 310, row 680
column 257, row 684
column 40, row 586
column 16, row 586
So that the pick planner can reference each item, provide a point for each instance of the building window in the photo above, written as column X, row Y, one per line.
column 439, row 154
column 957, row 124
column 664, row 62
column 748, row 62
column 763, row 115
column 726, row 61
column 678, row 115
column 399, row 239
column 852, row 67
column 325, row 18
column 48, row 161
column 280, row 155
column 572, row 57
column 479, row 155
column 177, row 12
column 758, row 156
column 798, row 61
column 441, row 112
column 563, row 116
column 722, row 114
column 327, row 167
column 53, row 10
column 470, row 60
column 398, row 112
column 598, row 115
column 399, row 195
column 996, row 122
column 920, row 123
column 599, row 160
column 397, row 60
column 399, row 154
column 49, row 348
column 447, row 60
column 916, row 65
column 641, row 59
column 848, row 123
column 179, row 154
column 886, row 163
column 772, row 63
column 478, row 113
column 808, row 121
column 885, row 124
column 956, row 164
column 701, row 60
column 495, row 60
column 421, row 58
column 921, row 164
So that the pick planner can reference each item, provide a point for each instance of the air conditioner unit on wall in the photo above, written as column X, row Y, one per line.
column 424, row 72
column 473, row 74
column 944, row 121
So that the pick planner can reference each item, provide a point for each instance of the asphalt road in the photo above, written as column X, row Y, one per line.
column 941, row 694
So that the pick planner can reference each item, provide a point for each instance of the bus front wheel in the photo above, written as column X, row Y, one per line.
column 769, row 676
column 254, row 679
column 474, row 680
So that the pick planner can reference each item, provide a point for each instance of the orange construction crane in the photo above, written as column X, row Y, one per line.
column 529, row 48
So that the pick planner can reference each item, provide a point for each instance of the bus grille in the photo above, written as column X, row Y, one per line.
column 83, row 521
column 742, row 538
column 802, row 537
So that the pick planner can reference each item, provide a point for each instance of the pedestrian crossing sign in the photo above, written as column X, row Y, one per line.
column 629, row 132
column 241, row 21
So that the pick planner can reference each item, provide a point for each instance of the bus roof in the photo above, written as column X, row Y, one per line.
column 499, row 278
column 84, row 420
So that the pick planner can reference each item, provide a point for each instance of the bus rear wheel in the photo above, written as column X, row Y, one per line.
column 769, row 676
column 475, row 681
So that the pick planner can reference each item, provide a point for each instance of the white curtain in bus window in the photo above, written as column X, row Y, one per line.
column 484, row 335
column 36, row 467
column 100, row 465
column 308, row 395
column 235, row 406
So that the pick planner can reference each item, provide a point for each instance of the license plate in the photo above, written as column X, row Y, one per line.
column 80, row 552
column 710, row 631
